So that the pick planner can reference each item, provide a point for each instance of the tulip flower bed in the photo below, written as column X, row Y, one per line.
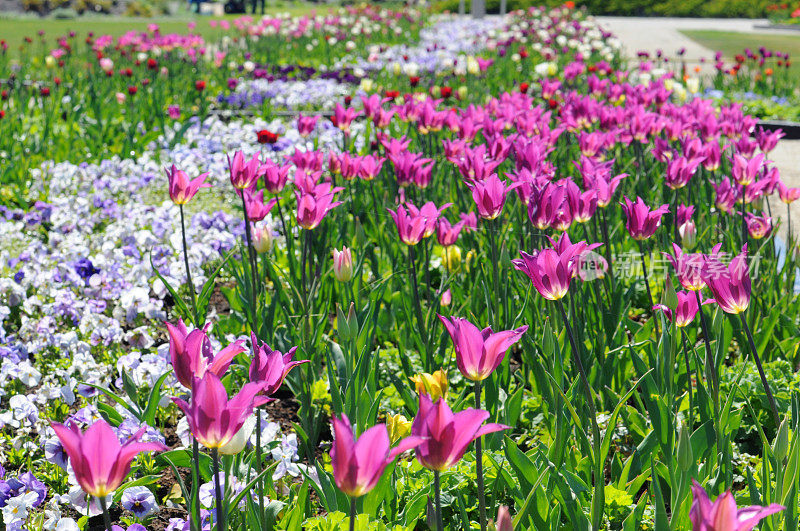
column 462, row 274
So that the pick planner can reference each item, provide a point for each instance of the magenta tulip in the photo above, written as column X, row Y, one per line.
column 214, row 419
column 490, row 195
column 551, row 270
column 685, row 311
column 313, row 206
column 181, row 188
column 729, row 285
column 359, row 464
column 723, row 514
column 191, row 355
column 99, row 460
column 479, row 352
column 244, row 174
column 270, row 367
column 447, row 435
column 641, row 221
column 410, row 226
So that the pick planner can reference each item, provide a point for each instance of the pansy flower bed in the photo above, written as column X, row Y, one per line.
column 457, row 274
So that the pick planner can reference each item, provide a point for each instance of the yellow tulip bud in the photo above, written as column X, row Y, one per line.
column 434, row 385
column 398, row 427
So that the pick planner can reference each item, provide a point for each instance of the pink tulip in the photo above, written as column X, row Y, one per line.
column 306, row 124
column 370, row 166
column 479, row 352
column 551, row 270
column 244, row 174
column 680, row 171
column 723, row 514
column 689, row 267
column 270, row 367
column 359, row 464
column 307, row 160
column 685, row 311
column 99, row 460
column 447, row 435
column 213, row 418
column 343, row 264
column 275, row 176
column 729, row 285
column 490, row 195
column 313, row 206
column 788, row 195
column 410, row 226
column 641, row 221
column 758, row 226
column 255, row 206
column 545, row 204
column 745, row 170
column 191, row 355
column 447, row 234
column 343, row 117
column 181, row 188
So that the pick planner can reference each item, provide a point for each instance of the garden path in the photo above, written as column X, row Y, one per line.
column 653, row 33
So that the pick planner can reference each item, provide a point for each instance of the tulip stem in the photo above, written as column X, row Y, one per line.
column 252, row 257
column 479, row 462
column 744, row 215
column 417, row 305
column 437, row 492
column 197, row 524
column 649, row 293
column 776, row 417
column 218, row 491
column 195, row 317
column 106, row 517
column 352, row 514
column 688, row 379
column 259, row 467
column 598, row 500
column 607, row 247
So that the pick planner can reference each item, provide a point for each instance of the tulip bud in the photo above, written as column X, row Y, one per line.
column 451, row 258
column 237, row 444
column 434, row 385
column 447, row 298
column 685, row 456
column 262, row 238
column 398, row 427
column 462, row 92
column 343, row 265
column 688, row 233
column 504, row 522
column 780, row 445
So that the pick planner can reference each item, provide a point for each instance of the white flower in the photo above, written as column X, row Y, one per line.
column 16, row 508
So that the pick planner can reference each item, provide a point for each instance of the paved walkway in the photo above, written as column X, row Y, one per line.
column 652, row 34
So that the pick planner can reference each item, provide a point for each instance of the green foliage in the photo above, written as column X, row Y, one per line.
column 679, row 8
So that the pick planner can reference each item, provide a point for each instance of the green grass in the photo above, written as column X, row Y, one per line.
column 14, row 29
column 731, row 43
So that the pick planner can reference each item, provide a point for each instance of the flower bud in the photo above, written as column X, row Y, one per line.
column 434, row 385
column 343, row 265
column 780, row 445
column 398, row 427
column 262, row 238
column 451, row 258
column 685, row 456
column 237, row 444
column 447, row 298
column 688, row 233
column 504, row 522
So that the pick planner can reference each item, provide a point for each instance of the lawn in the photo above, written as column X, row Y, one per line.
column 731, row 43
column 14, row 29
